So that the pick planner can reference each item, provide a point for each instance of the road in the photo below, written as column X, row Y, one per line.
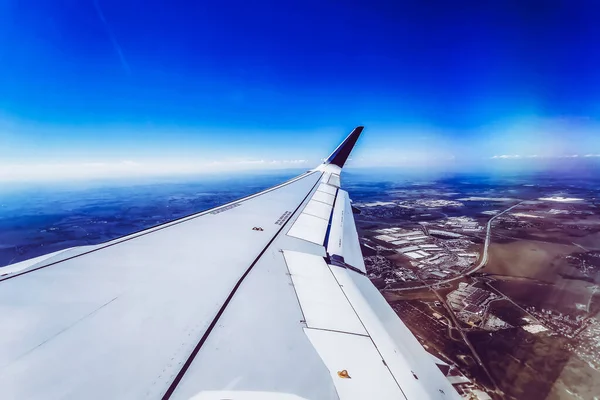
column 454, row 321
column 482, row 263
column 488, row 235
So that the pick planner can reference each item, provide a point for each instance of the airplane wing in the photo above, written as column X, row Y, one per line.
column 262, row 298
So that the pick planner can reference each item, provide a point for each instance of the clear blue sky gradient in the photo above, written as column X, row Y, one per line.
column 432, row 80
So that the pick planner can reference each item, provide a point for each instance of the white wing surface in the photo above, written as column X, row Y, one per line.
column 262, row 298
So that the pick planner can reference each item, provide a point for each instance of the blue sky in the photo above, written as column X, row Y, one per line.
column 106, row 86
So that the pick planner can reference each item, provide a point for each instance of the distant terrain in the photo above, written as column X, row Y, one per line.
column 42, row 218
column 497, row 277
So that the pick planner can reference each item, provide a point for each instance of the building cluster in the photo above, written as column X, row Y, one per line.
column 534, row 214
column 464, row 224
column 519, row 220
column 435, row 203
column 444, row 234
column 413, row 244
column 534, row 328
column 378, row 266
column 563, row 324
column 490, row 212
column 587, row 346
column 431, row 257
column 555, row 211
column 494, row 323
column 470, row 302
column 404, row 275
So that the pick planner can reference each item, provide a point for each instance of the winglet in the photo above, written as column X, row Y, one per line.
column 340, row 155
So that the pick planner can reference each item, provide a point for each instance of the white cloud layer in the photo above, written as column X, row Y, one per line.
column 513, row 156
column 130, row 169
column 505, row 156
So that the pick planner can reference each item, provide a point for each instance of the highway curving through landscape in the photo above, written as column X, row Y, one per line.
column 488, row 235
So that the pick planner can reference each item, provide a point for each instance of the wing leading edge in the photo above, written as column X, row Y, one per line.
column 208, row 307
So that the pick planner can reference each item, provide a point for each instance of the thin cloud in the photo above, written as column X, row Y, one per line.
column 57, row 171
column 510, row 156
column 506, row 156
column 288, row 161
column 242, row 162
column 112, row 37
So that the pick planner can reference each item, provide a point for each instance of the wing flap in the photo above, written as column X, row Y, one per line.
column 343, row 238
column 324, row 197
column 323, row 187
column 367, row 376
column 310, row 228
column 403, row 354
column 323, row 303
column 318, row 209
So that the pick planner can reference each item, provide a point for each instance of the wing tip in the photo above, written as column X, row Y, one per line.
column 342, row 152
